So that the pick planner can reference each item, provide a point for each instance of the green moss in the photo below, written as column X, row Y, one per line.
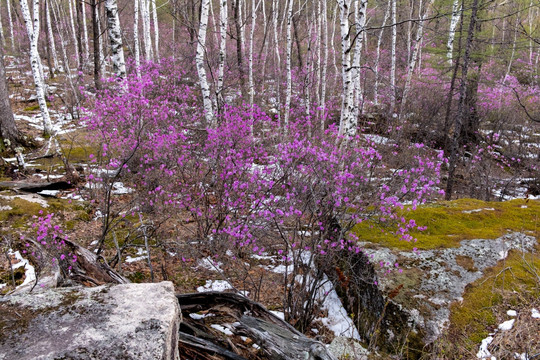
column 450, row 222
column 20, row 213
column 512, row 281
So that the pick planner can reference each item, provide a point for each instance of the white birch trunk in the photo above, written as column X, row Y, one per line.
column 115, row 39
column 10, row 21
column 288, row 93
column 334, row 18
column 378, row 57
column 346, row 97
column 147, row 39
column 32, row 27
column 242, row 20
column 85, row 33
column 156, row 29
column 456, row 11
column 136, row 37
column 100, row 43
column 393, row 58
column 73, row 32
column 56, row 63
column 415, row 55
column 324, row 62
column 1, row 25
column 199, row 59
column 360, row 19
column 251, row 85
column 223, row 22
column 277, row 66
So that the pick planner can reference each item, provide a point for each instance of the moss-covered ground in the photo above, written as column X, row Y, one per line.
column 450, row 222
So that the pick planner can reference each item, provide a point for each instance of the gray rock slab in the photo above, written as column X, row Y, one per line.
column 130, row 321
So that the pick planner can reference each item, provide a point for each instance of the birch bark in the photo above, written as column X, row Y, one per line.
column 223, row 22
column 452, row 33
column 85, row 33
column 10, row 21
column 288, row 93
column 32, row 28
column 73, row 32
column 360, row 19
column 393, row 58
column 156, row 29
column 136, row 37
column 147, row 39
column 378, row 57
column 51, row 34
column 199, row 59
column 115, row 39
column 345, row 64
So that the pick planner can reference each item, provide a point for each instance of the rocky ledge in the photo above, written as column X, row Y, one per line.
column 130, row 321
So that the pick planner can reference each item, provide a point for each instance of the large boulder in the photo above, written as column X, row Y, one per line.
column 130, row 321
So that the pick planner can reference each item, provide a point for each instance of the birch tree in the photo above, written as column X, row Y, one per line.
column 360, row 19
column 76, row 41
column 223, row 22
column 251, row 85
column 136, row 37
column 85, row 32
column 147, row 39
column 199, row 59
column 50, row 34
column 288, row 93
column 156, row 29
column 115, row 39
column 393, row 58
column 452, row 32
column 10, row 22
column 32, row 28
column 378, row 57
column 344, row 6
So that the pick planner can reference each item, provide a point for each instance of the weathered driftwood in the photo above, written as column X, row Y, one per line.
column 207, row 346
column 91, row 269
column 277, row 339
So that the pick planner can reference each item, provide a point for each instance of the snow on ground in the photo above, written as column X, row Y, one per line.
column 507, row 325
column 222, row 329
column 30, row 273
column 196, row 316
column 209, row 264
column 483, row 352
column 215, row 285
column 28, row 197
column 511, row 313
column 535, row 313
column 337, row 320
column 142, row 255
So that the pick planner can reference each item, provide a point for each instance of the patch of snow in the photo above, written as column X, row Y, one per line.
column 279, row 314
column 477, row 210
column 49, row 192
column 511, row 313
column 142, row 255
column 200, row 316
column 3, row 286
column 28, row 197
column 483, row 352
column 209, row 264
column 535, row 313
column 521, row 356
column 338, row 320
column 29, row 274
column 120, row 189
column 507, row 325
column 222, row 329
column 5, row 208
column 214, row 285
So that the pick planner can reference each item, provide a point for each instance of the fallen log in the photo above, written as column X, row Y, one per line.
column 277, row 339
column 35, row 187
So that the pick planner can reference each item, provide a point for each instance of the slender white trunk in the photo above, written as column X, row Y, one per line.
column 360, row 19
column 215, row 30
column 251, row 85
column 115, row 39
column 32, row 28
column 456, row 11
column 223, row 22
column 199, row 59
column 10, row 20
column 242, row 20
column 378, row 58
column 136, row 37
column 147, row 39
column 324, row 62
column 73, row 32
column 344, row 6
column 56, row 63
column 277, row 66
column 409, row 29
column 288, row 93
column 100, row 43
column 415, row 54
column 1, row 25
column 156, row 29
column 85, row 33
column 393, row 58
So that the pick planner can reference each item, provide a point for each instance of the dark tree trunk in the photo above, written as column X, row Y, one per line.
column 297, row 41
column 96, row 35
column 463, row 111
column 78, row 10
column 9, row 136
column 48, row 39
column 239, row 58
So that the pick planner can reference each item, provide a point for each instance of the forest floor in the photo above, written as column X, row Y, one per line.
column 509, row 291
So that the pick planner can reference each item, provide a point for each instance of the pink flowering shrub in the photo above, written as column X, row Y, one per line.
column 246, row 186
